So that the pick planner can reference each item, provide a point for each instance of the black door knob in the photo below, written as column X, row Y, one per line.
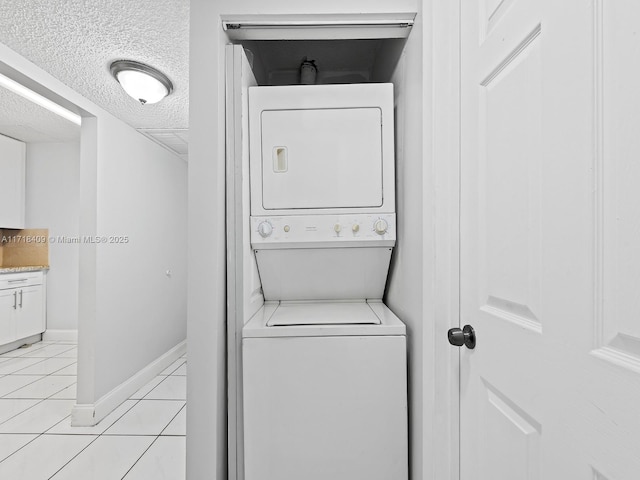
column 466, row 337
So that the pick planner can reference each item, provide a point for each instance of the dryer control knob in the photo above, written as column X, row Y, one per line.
column 265, row 229
column 380, row 226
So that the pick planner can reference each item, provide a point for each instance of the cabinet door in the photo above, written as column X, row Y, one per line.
column 7, row 316
column 30, row 312
column 12, row 182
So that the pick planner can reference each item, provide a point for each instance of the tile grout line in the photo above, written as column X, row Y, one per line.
column 87, row 434
column 161, row 382
column 37, row 380
column 28, row 351
column 99, row 434
column 43, row 376
column 37, row 435
column 134, row 403
column 36, row 363
column 106, row 432
column 172, row 419
column 32, row 440
column 142, row 455
column 144, row 397
column 48, row 398
column 172, row 371
column 42, row 359
column 19, row 413
column 71, row 459
column 40, row 400
column 155, row 439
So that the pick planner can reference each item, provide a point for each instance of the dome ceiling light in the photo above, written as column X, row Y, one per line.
column 140, row 81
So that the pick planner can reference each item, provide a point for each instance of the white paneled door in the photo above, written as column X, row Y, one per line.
column 550, row 239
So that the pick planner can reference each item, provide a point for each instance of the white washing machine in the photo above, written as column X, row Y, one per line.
column 325, row 392
column 324, row 360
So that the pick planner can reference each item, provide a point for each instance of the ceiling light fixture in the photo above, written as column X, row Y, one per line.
column 140, row 81
column 38, row 99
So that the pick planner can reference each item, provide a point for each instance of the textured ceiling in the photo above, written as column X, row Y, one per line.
column 24, row 120
column 76, row 40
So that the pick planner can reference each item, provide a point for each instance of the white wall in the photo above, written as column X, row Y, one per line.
column 139, row 201
column 130, row 312
column 52, row 201
column 206, row 416
column 406, row 293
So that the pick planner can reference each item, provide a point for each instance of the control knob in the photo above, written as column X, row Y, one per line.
column 265, row 229
column 380, row 226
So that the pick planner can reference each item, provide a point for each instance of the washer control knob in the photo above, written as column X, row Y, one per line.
column 287, row 228
column 265, row 229
column 355, row 228
column 380, row 226
column 337, row 228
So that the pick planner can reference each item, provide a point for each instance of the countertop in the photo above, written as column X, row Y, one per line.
column 32, row 268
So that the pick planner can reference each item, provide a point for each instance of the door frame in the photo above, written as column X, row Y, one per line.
column 437, row 418
column 441, row 264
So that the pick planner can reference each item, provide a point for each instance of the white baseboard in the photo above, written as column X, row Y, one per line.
column 60, row 335
column 88, row 415
column 82, row 416
column 19, row 343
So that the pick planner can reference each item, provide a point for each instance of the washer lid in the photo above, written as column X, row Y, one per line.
column 320, row 313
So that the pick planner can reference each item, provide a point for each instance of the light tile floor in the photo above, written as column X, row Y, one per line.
column 143, row 439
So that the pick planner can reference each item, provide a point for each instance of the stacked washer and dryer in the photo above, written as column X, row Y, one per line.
column 324, row 360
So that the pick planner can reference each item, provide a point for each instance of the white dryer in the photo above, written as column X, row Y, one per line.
column 322, row 190
column 324, row 360
column 321, row 149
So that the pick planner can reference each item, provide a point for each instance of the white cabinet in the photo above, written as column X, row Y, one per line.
column 22, row 306
column 30, row 311
column 12, row 182
column 7, row 316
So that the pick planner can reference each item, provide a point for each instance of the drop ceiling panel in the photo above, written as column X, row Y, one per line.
column 176, row 140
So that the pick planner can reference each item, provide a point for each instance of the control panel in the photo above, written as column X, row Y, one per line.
column 323, row 231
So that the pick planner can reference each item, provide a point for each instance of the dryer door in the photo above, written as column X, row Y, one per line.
column 321, row 158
